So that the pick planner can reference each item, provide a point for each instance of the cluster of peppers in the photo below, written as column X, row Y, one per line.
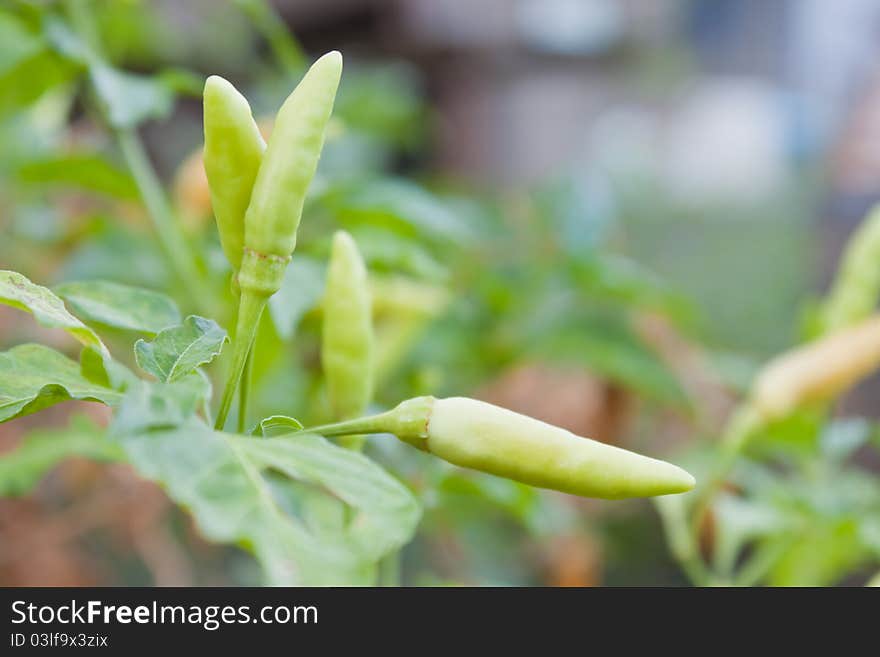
column 257, row 193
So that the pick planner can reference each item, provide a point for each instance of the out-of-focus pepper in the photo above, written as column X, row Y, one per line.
column 347, row 332
column 474, row 434
column 818, row 371
column 856, row 288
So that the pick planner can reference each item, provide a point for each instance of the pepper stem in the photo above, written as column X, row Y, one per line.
column 408, row 421
column 381, row 423
column 249, row 311
column 244, row 389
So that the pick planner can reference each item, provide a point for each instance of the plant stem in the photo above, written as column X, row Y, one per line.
column 250, row 310
column 172, row 240
column 740, row 428
column 682, row 544
column 269, row 24
column 361, row 425
column 244, row 390
column 389, row 569
column 170, row 237
column 80, row 14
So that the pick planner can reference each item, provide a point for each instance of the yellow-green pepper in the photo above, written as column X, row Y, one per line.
column 347, row 332
column 233, row 151
column 478, row 435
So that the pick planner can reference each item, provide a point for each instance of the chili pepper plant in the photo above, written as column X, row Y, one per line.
column 265, row 328
column 311, row 511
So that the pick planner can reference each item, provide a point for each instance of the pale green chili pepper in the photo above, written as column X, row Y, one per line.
column 347, row 331
column 856, row 288
column 287, row 169
column 276, row 204
column 478, row 435
column 233, row 151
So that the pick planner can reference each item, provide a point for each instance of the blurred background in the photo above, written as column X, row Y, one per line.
column 603, row 213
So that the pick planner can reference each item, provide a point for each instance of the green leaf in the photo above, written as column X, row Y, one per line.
column 842, row 438
column 17, row 43
column 33, row 377
column 156, row 406
column 312, row 513
column 88, row 171
column 120, row 306
column 386, row 250
column 127, row 99
column 130, row 99
column 616, row 355
column 105, row 371
column 400, row 204
column 824, row 554
column 276, row 424
column 300, row 291
column 179, row 350
column 739, row 521
column 22, row 468
column 27, row 69
column 17, row 291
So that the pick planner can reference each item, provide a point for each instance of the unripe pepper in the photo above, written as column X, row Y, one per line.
column 273, row 214
column 478, row 435
column 347, row 332
column 233, row 151
column 818, row 371
column 856, row 288
column 284, row 176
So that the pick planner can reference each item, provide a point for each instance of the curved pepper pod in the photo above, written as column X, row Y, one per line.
column 818, row 371
column 347, row 332
column 854, row 293
column 233, row 151
column 287, row 169
column 478, row 435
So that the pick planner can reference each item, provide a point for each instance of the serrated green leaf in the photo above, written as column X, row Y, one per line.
column 17, row 291
column 155, row 406
column 312, row 513
column 179, row 350
column 33, row 376
column 120, row 306
column 22, row 468
column 276, row 424
column 105, row 371
column 300, row 291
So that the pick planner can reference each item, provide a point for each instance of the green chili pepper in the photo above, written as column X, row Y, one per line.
column 233, row 150
column 856, row 288
column 347, row 332
column 276, row 204
column 477, row 435
column 287, row 169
